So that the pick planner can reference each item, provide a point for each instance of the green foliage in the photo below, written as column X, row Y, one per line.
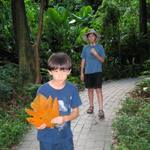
column 61, row 30
column 65, row 22
column 8, row 81
column 6, row 31
column 12, row 128
column 146, row 66
column 144, row 86
column 33, row 13
column 13, row 98
column 83, row 16
column 116, row 21
column 133, row 131
column 114, row 69
column 132, row 122
column 76, row 81
column 32, row 89
column 129, row 67
column 13, row 118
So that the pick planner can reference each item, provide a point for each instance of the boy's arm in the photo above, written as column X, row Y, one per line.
column 101, row 59
column 63, row 119
column 82, row 69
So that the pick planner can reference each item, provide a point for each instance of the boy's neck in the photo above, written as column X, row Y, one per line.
column 57, row 85
column 92, row 43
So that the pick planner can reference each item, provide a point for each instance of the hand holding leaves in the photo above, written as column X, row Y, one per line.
column 44, row 110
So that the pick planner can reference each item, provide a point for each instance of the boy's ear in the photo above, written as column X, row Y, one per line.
column 69, row 71
column 49, row 72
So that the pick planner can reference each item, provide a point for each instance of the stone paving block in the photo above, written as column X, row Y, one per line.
column 22, row 148
column 79, row 147
column 31, row 137
column 90, row 144
column 34, row 144
column 81, row 122
column 33, row 149
column 78, row 128
column 107, row 145
column 26, row 144
column 108, row 138
column 85, row 131
column 99, row 144
column 83, row 136
column 99, row 138
column 76, row 136
column 98, row 148
column 81, row 142
column 87, row 126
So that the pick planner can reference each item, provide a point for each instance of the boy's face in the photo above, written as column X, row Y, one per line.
column 92, row 37
column 59, row 76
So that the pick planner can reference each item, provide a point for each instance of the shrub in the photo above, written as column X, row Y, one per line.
column 12, row 127
column 8, row 81
column 132, row 125
column 133, row 119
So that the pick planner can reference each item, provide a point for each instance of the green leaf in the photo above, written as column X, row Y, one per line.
column 54, row 16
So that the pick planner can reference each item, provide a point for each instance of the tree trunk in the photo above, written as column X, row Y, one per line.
column 37, row 43
column 143, row 31
column 143, row 17
column 22, row 42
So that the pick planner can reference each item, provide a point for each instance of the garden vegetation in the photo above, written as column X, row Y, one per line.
column 132, row 124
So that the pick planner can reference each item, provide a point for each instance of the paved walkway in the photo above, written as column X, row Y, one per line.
column 90, row 133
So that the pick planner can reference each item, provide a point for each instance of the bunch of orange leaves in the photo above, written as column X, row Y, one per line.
column 44, row 110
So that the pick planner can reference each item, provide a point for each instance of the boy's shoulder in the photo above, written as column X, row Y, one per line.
column 71, row 86
column 68, row 84
column 43, row 86
column 99, row 45
column 86, row 46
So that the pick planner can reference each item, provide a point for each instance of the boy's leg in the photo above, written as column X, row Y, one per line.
column 49, row 146
column 100, row 102
column 91, row 95
column 89, row 84
column 100, row 98
column 67, row 144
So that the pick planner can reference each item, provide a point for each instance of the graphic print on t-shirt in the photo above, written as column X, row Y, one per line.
column 63, row 110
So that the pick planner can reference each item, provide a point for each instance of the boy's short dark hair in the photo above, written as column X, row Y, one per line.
column 91, row 33
column 59, row 61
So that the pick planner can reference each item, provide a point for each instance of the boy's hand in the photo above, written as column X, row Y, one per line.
column 93, row 51
column 59, row 120
column 63, row 119
column 43, row 126
column 82, row 77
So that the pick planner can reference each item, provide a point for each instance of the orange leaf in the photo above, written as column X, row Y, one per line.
column 39, row 103
column 35, row 121
column 44, row 110
column 55, row 108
